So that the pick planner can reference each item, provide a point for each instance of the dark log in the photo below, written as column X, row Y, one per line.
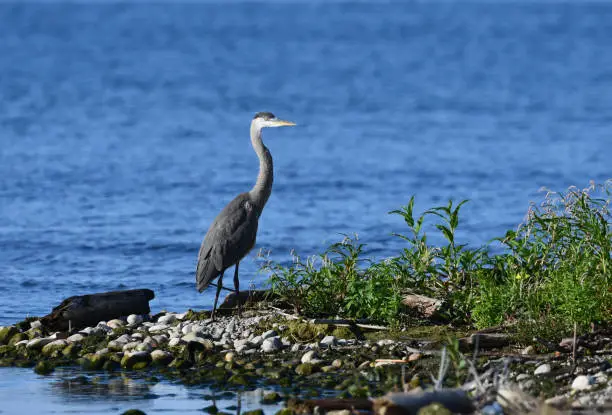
column 455, row 400
column 87, row 310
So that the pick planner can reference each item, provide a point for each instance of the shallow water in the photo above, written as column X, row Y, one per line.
column 69, row 391
column 124, row 129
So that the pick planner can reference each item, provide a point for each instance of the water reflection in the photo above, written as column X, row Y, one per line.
column 68, row 390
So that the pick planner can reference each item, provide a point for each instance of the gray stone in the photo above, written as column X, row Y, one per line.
column 295, row 348
column 138, row 336
column 193, row 336
column 135, row 319
column 268, row 334
column 130, row 346
column 256, row 341
column 582, row 382
column 528, row 350
column 522, row 376
column 144, row 347
column 160, row 338
column 385, row 342
column 87, row 330
column 328, row 341
column 123, row 339
column 271, row 344
column 240, row 345
column 542, row 369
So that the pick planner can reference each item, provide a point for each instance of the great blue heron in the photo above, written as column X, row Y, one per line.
column 232, row 234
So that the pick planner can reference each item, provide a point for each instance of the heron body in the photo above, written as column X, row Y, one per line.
column 234, row 231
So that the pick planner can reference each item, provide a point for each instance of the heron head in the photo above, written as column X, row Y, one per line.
column 267, row 119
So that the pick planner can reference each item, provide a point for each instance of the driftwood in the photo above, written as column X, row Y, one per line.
column 87, row 310
column 425, row 306
column 484, row 341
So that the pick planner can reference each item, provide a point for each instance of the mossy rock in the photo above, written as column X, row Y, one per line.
column 7, row 351
column 92, row 361
column 270, row 398
column 434, row 409
column 211, row 409
column 254, row 412
column 285, row 411
column 55, row 348
column 179, row 363
column 71, row 350
column 343, row 333
column 136, row 361
column 34, row 333
column 134, row 412
column 17, row 338
column 44, row 367
column 111, row 365
column 6, row 333
column 357, row 391
column 239, row 380
column 305, row 369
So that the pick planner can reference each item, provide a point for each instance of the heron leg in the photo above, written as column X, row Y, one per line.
column 237, row 287
column 219, row 285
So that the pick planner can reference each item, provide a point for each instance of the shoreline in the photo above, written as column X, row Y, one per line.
column 299, row 358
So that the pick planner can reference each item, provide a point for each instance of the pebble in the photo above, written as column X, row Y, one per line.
column 229, row 357
column 309, row 356
column 385, row 342
column 582, row 382
column 135, row 319
column 542, row 369
column 271, row 344
column 328, row 341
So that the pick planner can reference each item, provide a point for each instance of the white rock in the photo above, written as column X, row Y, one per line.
column 542, row 369
column 135, row 319
column 38, row 343
column 22, row 342
column 158, row 328
column 295, row 348
column 193, row 336
column 309, row 356
column 166, row 319
column 87, row 330
column 240, row 343
column 35, row 324
column 328, row 341
column 268, row 334
column 528, row 350
column 160, row 338
column 138, row 336
column 144, row 347
column 286, row 342
column 115, row 323
column 582, row 382
column 271, row 344
column 385, row 342
column 187, row 328
column 522, row 376
column 78, row 337
column 175, row 341
column 181, row 316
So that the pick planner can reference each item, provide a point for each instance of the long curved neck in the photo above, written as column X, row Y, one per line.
column 263, row 186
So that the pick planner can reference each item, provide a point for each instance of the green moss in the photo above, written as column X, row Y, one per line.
column 254, row 412
column 17, row 338
column 285, row 411
column 305, row 369
column 133, row 412
column 6, row 333
column 44, row 367
column 240, row 380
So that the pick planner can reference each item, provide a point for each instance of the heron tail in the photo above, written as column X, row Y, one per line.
column 205, row 273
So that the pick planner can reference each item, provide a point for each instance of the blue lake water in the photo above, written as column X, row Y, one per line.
column 124, row 129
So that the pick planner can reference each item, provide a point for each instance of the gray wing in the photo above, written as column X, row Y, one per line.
column 230, row 237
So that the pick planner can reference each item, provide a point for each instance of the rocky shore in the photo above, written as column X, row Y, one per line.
column 304, row 361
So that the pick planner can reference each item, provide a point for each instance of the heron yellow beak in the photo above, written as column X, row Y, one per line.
column 283, row 123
